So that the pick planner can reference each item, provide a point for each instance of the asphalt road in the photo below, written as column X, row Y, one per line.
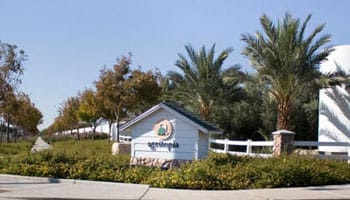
column 33, row 188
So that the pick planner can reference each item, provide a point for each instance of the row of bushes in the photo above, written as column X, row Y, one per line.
column 229, row 172
column 218, row 171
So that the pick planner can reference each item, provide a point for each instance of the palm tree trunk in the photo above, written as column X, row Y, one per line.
column 284, row 114
column 205, row 111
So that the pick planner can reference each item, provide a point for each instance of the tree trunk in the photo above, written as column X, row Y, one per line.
column 8, row 131
column 1, row 129
column 78, row 134
column 205, row 112
column 118, row 130
column 109, row 130
column 16, row 132
column 116, row 114
column 284, row 114
column 93, row 131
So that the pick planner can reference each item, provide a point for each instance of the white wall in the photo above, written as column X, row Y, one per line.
column 334, row 118
column 103, row 128
column 340, row 57
column 203, row 145
column 334, row 104
column 184, row 134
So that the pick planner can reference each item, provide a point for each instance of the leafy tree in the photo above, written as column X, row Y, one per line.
column 90, row 109
column 145, row 90
column 243, row 116
column 57, row 126
column 111, row 91
column 11, row 66
column 286, row 61
column 70, row 111
column 27, row 116
column 16, row 108
column 123, row 91
column 203, row 85
column 8, row 108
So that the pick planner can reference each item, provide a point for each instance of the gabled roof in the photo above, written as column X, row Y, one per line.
column 179, row 112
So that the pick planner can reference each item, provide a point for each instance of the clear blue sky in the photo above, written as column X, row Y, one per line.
column 68, row 41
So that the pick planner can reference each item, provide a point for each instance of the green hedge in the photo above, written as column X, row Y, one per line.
column 218, row 171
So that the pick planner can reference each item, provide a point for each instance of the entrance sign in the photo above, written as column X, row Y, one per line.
column 169, row 145
column 167, row 134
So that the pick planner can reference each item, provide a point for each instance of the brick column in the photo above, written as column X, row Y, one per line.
column 283, row 142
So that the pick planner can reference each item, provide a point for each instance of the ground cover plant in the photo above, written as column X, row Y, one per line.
column 92, row 160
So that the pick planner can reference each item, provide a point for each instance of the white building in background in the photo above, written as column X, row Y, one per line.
column 102, row 129
column 334, row 104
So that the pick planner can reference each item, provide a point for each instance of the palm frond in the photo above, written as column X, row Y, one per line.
column 202, row 82
column 302, row 29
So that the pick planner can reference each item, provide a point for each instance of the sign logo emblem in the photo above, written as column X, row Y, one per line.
column 163, row 129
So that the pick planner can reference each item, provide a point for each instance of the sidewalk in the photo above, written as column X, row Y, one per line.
column 33, row 188
column 338, row 192
column 24, row 187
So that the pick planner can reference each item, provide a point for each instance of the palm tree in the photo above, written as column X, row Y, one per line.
column 286, row 60
column 202, row 81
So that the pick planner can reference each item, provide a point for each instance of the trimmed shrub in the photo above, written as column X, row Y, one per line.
column 92, row 160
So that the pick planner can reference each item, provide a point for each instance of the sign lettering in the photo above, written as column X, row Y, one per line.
column 161, row 144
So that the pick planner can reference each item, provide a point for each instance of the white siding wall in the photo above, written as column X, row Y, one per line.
column 334, row 110
column 203, row 145
column 334, row 118
column 185, row 135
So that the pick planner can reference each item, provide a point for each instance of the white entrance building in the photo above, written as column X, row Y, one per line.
column 168, row 133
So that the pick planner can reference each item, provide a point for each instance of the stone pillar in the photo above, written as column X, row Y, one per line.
column 283, row 142
column 124, row 148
